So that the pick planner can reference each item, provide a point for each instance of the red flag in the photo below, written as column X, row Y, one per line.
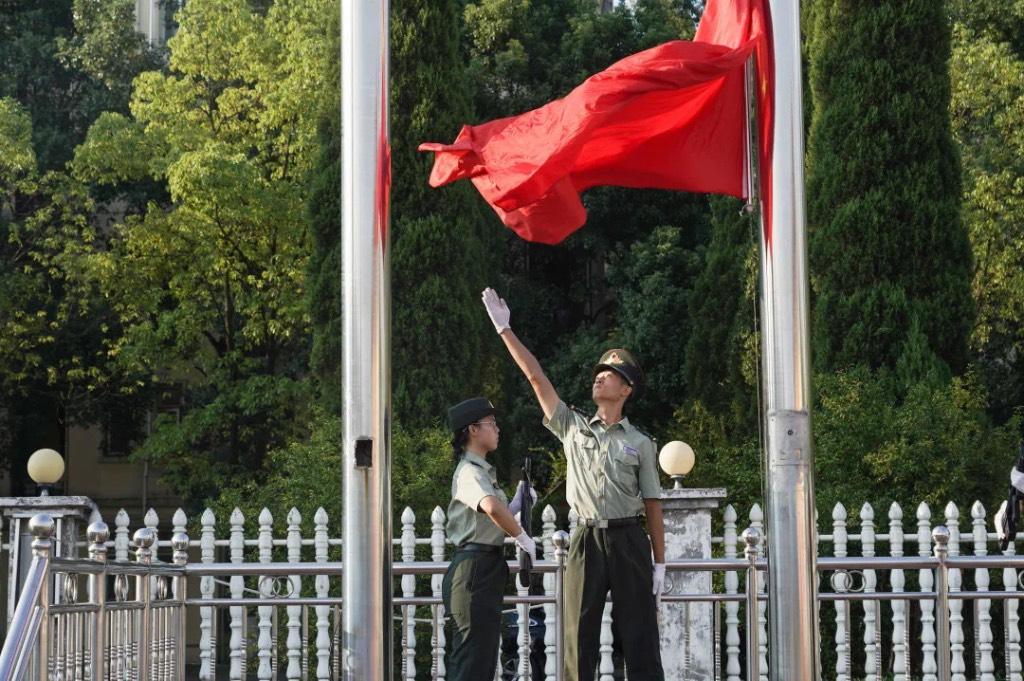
column 671, row 117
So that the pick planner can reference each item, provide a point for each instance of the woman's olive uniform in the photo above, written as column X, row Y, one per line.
column 474, row 585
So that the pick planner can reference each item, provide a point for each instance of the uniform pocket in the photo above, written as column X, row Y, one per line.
column 626, row 459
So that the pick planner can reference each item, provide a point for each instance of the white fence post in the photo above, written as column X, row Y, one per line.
column 437, row 546
column 984, row 665
column 207, row 635
column 926, row 580
column 237, row 643
column 757, row 522
column 872, row 609
column 121, row 540
column 322, row 585
column 732, row 608
column 264, row 643
column 956, row 606
column 606, row 668
column 842, row 637
column 294, row 641
column 548, row 518
column 408, row 590
column 1011, row 620
column 900, row 633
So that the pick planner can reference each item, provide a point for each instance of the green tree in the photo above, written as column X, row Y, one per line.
column 441, row 244
column 987, row 111
column 722, row 353
column 64, row 63
column 209, row 286
column 888, row 251
column 324, row 215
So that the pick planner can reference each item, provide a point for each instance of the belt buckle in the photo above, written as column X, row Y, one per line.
column 599, row 523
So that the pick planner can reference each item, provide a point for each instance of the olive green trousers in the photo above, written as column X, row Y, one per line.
column 472, row 590
column 616, row 559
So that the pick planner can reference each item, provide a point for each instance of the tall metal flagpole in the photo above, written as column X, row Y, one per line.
column 792, row 537
column 366, row 342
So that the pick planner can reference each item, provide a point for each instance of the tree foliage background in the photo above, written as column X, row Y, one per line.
column 169, row 234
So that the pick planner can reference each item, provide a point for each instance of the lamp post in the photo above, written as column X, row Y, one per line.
column 70, row 513
column 46, row 468
column 677, row 459
column 687, row 629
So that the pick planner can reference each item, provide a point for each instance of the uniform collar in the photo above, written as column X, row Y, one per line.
column 624, row 423
column 477, row 460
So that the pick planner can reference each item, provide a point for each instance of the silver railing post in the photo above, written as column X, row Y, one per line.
column 560, row 539
column 144, row 540
column 366, row 342
column 179, row 545
column 751, row 539
column 31, row 611
column 98, row 533
column 42, row 527
column 940, row 537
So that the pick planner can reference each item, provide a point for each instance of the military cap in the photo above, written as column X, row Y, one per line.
column 468, row 412
column 624, row 364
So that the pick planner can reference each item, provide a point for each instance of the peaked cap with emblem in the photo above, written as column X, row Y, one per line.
column 468, row 412
column 624, row 364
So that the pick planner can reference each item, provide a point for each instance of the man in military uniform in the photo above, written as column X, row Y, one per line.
column 612, row 483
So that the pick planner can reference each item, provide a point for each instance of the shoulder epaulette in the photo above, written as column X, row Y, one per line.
column 647, row 435
column 580, row 411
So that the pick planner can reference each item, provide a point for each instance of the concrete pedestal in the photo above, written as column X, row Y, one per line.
column 687, row 629
column 71, row 515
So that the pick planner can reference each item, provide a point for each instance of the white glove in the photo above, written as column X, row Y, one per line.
column 497, row 310
column 517, row 500
column 527, row 544
column 659, row 580
column 1000, row 514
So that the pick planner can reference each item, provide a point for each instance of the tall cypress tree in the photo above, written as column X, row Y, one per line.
column 721, row 358
column 439, row 260
column 324, row 275
column 890, row 260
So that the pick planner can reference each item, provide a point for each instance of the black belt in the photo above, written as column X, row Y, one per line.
column 604, row 523
column 474, row 547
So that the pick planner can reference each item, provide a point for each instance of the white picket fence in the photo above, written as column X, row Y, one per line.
column 896, row 638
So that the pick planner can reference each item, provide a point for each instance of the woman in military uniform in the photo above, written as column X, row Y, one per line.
column 478, row 520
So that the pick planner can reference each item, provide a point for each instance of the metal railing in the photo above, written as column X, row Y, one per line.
column 132, row 624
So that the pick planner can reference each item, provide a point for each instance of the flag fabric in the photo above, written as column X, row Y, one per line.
column 671, row 117
column 1009, row 511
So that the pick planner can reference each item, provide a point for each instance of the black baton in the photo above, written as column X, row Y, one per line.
column 525, row 513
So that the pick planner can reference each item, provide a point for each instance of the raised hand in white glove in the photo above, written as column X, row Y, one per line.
column 497, row 310
column 527, row 544
column 659, row 580
column 517, row 500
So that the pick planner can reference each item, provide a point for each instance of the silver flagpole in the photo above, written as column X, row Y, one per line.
column 791, row 534
column 366, row 342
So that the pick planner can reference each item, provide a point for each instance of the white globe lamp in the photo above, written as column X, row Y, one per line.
column 46, row 468
column 676, row 459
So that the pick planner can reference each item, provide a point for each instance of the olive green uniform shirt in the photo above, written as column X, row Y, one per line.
column 611, row 469
column 473, row 480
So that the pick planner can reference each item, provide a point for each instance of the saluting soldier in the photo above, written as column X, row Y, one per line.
column 478, row 520
column 612, row 483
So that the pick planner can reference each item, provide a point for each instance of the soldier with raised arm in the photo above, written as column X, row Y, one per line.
column 612, row 483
